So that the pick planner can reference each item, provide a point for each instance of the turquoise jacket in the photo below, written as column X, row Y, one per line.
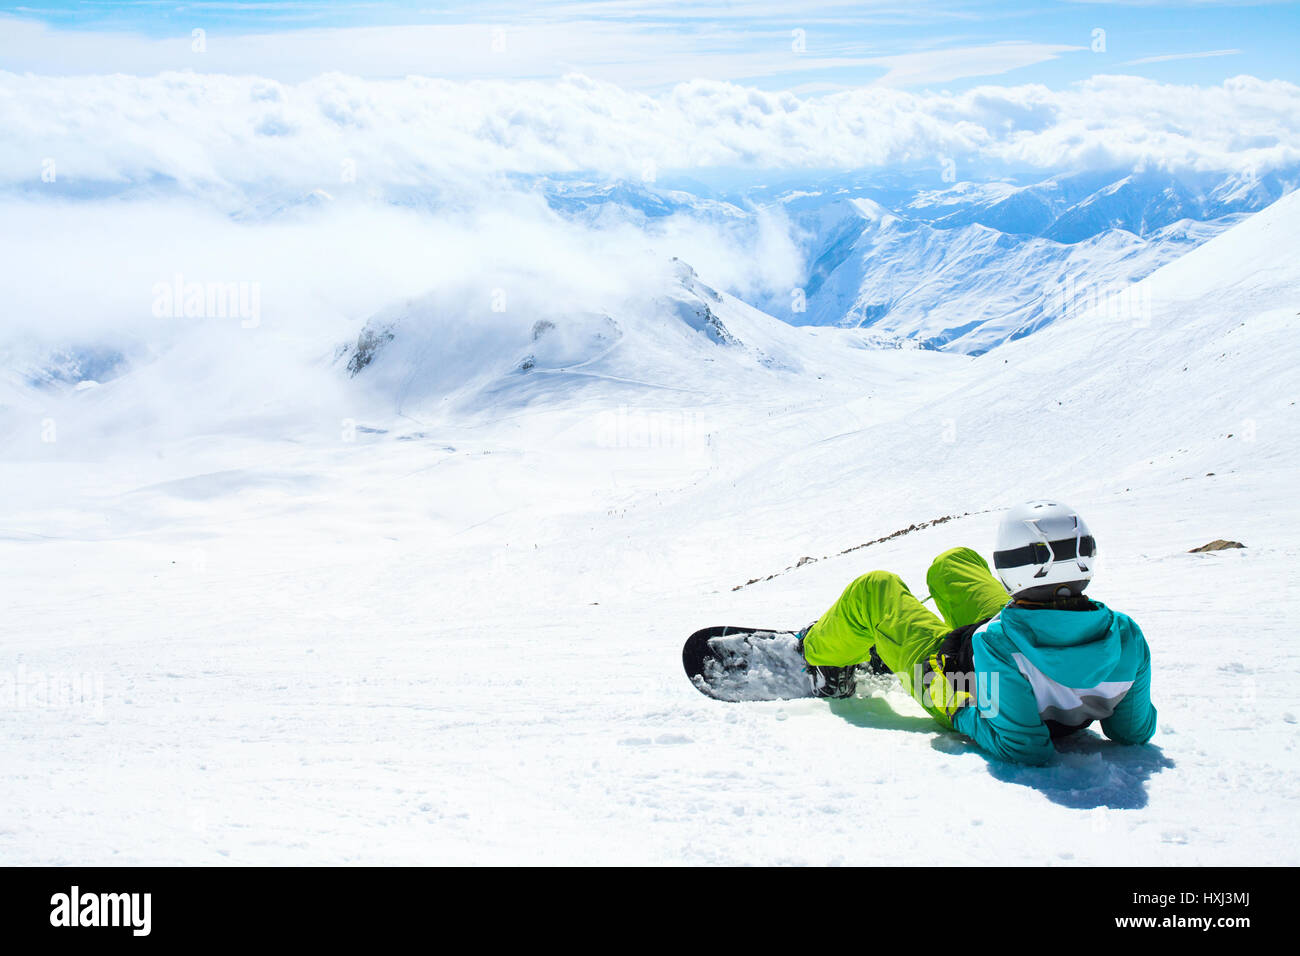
column 1039, row 670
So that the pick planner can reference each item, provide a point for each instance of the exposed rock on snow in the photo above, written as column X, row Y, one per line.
column 917, row 526
column 1218, row 544
column 372, row 338
column 701, row 318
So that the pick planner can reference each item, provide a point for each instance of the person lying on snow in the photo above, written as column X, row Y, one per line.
column 1010, row 674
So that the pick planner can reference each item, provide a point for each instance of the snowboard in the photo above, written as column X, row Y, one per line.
column 746, row 663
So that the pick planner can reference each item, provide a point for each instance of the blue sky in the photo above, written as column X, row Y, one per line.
column 651, row 44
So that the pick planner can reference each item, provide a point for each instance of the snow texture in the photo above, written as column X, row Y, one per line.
column 262, row 610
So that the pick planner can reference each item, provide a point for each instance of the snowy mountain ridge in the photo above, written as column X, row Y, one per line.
column 962, row 267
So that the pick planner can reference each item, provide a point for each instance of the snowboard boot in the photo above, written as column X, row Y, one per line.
column 831, row 682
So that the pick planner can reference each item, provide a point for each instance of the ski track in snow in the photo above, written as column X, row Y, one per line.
column 319, row 652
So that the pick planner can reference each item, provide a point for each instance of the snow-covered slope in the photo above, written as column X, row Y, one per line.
column 448, row 628
column 451, row 352
column 1145, row 388
column 972, row 287
column 968, row 267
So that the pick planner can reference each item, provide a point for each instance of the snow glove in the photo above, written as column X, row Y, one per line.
column 948, row 676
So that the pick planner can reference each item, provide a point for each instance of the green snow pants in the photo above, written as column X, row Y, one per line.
column 877, row 610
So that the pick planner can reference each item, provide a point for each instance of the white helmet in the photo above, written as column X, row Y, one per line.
column 1044, row 551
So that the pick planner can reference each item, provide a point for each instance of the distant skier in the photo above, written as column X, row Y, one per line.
column 1010, row 670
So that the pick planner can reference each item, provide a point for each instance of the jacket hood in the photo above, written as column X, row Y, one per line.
column 1073, row 648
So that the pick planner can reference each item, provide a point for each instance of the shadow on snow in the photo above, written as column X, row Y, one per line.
column 1088, row 771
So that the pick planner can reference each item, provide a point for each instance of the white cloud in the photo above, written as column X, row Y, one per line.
column 87, row 275
column 243, row 133
column 1167, row 57
column 944, row 66
column 632, row 52
column 89, row 269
